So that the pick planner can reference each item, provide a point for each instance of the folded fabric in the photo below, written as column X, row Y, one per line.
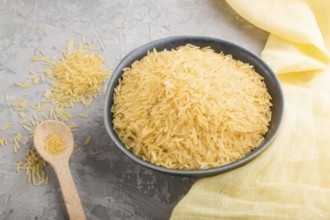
column 291, row 179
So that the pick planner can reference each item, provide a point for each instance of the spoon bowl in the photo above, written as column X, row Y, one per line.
column 46, row 128
column 60, row 163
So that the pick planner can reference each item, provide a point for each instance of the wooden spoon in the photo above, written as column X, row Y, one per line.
column 60, row 163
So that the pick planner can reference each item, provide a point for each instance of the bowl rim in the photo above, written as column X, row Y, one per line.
column 128, row 59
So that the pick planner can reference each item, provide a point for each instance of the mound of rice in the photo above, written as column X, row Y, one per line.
column 191, row 108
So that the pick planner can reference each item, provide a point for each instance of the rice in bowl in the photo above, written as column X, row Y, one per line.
column 191, row 108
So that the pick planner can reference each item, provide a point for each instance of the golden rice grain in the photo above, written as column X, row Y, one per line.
column 87, row 140
column 5, row 126
column 83, row 115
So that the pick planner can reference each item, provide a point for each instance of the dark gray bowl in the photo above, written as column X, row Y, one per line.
column 218, row 45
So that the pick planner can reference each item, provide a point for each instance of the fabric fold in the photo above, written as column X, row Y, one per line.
column 293, row 30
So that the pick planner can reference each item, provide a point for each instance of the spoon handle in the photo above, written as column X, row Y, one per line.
column 69, row 191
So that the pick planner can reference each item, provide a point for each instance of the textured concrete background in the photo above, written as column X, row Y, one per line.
column 110, row 185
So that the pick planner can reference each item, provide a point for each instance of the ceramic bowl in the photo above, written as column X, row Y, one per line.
column 218, row 45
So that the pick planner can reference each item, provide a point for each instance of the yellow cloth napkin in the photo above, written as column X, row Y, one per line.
column 291, row 179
